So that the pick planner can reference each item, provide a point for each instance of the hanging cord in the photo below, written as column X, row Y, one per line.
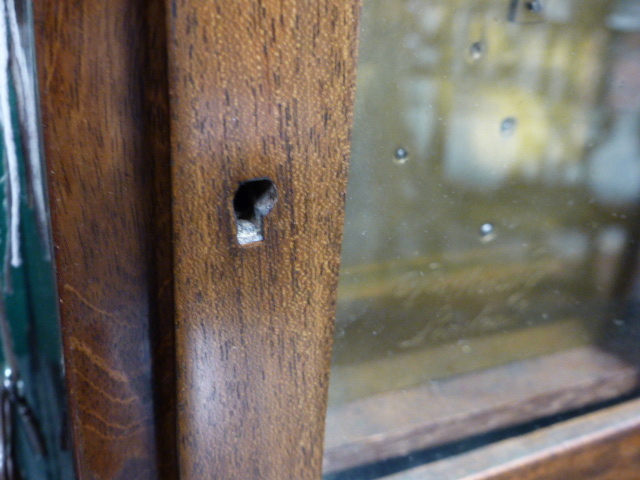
column 11, row 154
column 7, row 470
column 27, row 103
column 13, row 59
column 13, row 403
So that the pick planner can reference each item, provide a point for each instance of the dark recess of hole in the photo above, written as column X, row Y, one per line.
column 253, row 200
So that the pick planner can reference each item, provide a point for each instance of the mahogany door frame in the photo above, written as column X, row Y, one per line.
column 151, row 105
column 252, row 89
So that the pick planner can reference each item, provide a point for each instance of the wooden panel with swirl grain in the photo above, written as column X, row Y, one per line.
column 104, row 100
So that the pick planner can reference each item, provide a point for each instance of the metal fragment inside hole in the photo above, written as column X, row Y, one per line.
column 253, row 201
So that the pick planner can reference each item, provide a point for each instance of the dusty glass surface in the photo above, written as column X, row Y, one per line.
column 492, row 207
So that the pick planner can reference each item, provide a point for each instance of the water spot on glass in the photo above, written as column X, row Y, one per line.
column 508, row 126
column 618, row 322
column 400, row 156
column 487, row 232
column 464, row 346
column 534, row 6
column 476, row 50
column 434, row 386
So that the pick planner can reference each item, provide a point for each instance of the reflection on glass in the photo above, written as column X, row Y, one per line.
column 494, row 186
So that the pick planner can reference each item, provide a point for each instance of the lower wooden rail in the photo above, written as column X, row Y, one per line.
column 397, row 423
column 604, row 445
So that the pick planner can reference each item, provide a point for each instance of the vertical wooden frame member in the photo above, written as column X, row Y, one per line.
column 258, row 88
column 104, row 100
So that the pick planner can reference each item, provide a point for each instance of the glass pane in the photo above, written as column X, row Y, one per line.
column 492, row 214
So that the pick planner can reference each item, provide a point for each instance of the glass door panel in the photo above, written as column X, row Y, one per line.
column 492, row 219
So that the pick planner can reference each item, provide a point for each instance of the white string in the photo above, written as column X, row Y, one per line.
column 9, row 141
column 27, row 97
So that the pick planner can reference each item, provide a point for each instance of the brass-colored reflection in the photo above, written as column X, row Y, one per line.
column 494, row 176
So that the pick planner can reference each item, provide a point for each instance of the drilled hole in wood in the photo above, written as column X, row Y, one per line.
column 253, row 200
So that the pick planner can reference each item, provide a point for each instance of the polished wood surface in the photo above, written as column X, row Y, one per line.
column 258, row 89
column 604, row 445
column 613, row 456
column 102, row 75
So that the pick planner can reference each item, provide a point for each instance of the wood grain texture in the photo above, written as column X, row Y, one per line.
column 104, row 96
column 613, row 456
column 259, row 88
column 604, row 445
